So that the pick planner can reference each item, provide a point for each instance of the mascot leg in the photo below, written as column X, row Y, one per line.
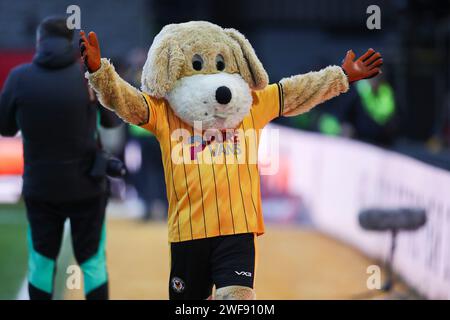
column 235, row 293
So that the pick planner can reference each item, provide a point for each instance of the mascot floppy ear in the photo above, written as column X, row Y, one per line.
column 250, row 68
column 162, row 68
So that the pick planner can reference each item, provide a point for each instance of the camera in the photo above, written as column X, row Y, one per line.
column 106, row 164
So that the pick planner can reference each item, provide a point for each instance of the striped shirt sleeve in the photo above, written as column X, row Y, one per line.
column 155, row 113
column 267, row 104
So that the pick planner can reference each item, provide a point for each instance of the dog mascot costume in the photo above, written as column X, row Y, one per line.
column 205, row 96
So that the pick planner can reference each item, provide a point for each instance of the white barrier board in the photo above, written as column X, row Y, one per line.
column 338, row 177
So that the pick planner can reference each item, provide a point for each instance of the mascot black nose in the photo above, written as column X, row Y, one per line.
column 223, row 95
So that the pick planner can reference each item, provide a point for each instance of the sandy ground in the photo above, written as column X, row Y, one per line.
column 294, row 263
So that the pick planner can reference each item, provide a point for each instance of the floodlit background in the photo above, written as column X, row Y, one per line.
column 337, row 159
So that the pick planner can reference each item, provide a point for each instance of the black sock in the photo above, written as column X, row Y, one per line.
column 100, row 293
column 38, row 294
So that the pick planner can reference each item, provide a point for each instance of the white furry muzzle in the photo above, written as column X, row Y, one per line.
column 196, row 99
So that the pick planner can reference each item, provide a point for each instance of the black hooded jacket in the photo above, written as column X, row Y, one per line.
column 49, row 102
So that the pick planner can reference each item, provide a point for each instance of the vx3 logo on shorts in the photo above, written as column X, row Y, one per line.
column 243, row 273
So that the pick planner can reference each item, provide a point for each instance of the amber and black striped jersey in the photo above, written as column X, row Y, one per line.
column 212, row 181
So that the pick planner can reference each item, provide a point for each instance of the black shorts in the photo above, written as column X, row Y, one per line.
column 198, row 265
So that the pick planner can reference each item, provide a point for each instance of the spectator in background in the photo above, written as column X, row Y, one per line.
column 49, row 102
column 440, row 139
column 373, row 115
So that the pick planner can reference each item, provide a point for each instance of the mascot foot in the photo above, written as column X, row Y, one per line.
column 235, row 293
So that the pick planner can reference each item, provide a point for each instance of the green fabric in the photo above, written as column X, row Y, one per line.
column 94, row 269
column 329, row 125
column 137, row 131
column 379, row 105
column 97, row 133
column 304, row 121
column 40, row 269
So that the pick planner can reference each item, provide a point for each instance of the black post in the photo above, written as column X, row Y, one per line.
column 389, row 283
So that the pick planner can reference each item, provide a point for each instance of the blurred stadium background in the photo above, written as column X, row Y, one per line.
column 337, row 159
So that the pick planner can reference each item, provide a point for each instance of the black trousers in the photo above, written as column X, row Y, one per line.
column 46, row 222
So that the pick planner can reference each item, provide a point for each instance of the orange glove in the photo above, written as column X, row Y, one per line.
column 365, row 67
column 90, row 51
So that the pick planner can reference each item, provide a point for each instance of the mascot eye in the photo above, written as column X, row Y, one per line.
column 197, row 62
column 220, row 63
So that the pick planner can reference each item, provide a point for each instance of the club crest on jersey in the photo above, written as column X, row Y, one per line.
column 177, row 285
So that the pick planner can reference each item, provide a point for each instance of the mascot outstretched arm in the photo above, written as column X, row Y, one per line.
column 113, row 92
column 303, row 92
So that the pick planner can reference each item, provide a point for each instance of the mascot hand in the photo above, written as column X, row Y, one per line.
column 90, row 51
column 365, row 67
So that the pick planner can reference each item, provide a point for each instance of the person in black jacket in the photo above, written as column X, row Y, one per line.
column 49, row 101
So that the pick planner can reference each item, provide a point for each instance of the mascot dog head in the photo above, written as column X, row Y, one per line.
column 205, row 72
